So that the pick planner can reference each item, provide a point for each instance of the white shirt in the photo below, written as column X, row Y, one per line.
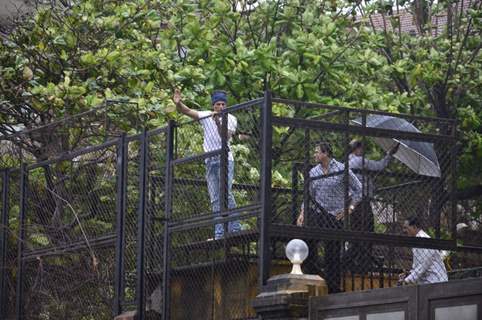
column 212, row 139
column 427, row 265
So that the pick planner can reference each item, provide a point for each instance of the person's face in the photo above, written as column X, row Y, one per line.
column 409, row 230
column 358, row 151
column 320, row 154
column 219, row 106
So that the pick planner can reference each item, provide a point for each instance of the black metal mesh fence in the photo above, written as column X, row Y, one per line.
column 10, row 217
column 386, row 266
column 69, row 286
column 198, row 172
column 355, row 171
column 213, row 279
column 214, row 257
column 69, row 236
column 416, row 178
column 213, row 248
column 155, row 221
column 130, row 221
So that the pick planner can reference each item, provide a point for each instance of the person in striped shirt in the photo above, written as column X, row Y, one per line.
column 327, row 210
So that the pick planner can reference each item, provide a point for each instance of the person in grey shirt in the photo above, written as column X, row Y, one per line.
column 364, row 220
column 327, row 209
column 356, row 162
column 359, row 255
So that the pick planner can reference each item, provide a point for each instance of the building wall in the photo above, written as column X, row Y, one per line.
column 9, row 9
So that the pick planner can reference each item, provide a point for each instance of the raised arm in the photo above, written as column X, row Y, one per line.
column 378, row 165
column 181, row 107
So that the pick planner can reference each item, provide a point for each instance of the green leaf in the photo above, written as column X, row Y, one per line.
column 40, row 239
column 59, row 40
column 88, row 59
column 299, row 91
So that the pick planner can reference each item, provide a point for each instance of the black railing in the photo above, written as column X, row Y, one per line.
column 159, row 223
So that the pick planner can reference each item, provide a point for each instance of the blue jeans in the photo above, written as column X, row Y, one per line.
column 213, row 166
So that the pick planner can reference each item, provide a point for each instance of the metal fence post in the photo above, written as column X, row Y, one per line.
column 120, row 212
column 264, row 238
column 167, row 216
column 4, row 243
column 453, row 183
column 346, row 180
column 306, row 175
column 141, row 218
column 223, row 170
column 294, row 193
column 365, row 177
column 21, row 236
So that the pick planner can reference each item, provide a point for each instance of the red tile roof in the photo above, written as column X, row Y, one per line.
column 407, row 20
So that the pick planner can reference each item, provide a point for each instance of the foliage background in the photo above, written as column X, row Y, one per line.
column 65, row 60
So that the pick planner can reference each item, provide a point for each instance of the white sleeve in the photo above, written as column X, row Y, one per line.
column 422, row 259
column 372, row 165
column 232, row 123
column 355, row 162
column 379, row 165
column 203, row 115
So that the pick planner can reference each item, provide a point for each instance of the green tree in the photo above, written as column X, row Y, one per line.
column 438, row 70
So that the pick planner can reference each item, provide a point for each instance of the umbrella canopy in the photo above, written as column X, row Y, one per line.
column 417, row 155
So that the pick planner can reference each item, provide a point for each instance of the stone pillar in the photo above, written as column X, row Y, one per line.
column 285, row 297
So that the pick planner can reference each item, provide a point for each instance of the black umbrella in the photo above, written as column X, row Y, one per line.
column 417, row 155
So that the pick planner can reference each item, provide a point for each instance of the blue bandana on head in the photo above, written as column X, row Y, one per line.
column 219, row 96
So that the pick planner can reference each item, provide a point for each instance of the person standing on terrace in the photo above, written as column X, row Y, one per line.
column 211, row 124
column 360, row 254
column 427, row 264
column 327, row 198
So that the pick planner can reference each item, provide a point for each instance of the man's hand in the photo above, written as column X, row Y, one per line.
column 401, row 279
column 394, row 150
column 177, row 97
column 301, row 218
column 244, row 137
column 340, row 215
column 181, row 107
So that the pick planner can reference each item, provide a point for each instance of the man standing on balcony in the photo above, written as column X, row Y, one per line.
column 427, row 264
column 327, row 198
column 211, row 123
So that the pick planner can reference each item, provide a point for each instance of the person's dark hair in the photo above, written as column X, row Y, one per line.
column 326, row 147
column 414, row 221
column 355, row 144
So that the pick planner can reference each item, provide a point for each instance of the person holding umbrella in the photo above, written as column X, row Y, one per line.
column 364, row 220
column 359, row 255
column 357, row 162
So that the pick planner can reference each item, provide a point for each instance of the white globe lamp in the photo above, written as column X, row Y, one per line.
column 297, row 252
